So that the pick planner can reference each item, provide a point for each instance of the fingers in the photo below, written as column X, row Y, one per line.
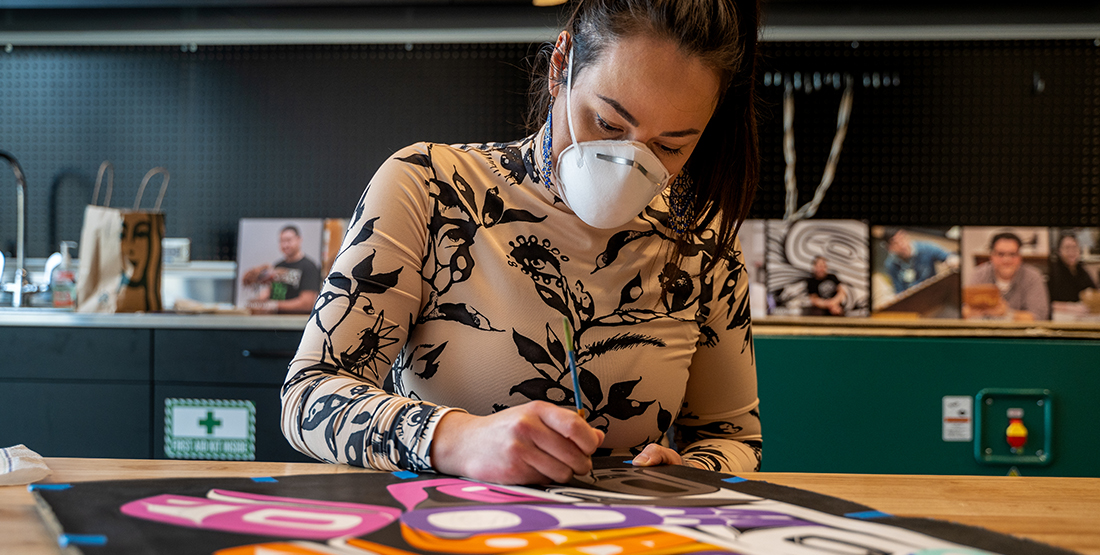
column 532, row 443
column 656, row 455
column 566, row 440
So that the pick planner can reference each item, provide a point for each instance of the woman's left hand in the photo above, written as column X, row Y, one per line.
column 656, row 455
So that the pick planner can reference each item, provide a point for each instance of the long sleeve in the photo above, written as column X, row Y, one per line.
column 719, row 423
column 334, row 407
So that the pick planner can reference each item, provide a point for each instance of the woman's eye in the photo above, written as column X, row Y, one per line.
column 605, row 126
column 671, row 150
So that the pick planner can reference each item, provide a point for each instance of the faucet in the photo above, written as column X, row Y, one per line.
column 19, row 285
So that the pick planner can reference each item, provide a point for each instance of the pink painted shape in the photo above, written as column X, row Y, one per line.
column 289, row 517
column 411, row 494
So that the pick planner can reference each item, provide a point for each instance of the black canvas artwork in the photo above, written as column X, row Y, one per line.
column 619, row 509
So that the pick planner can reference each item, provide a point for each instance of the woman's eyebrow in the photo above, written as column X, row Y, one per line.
column 634, row 121
column 619, row 108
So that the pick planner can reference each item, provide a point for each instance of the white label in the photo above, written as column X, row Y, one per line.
column 210, row 422
column 958, row 413
column 209, row 429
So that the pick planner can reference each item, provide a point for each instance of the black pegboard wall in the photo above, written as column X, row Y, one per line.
column 962, row 135
column 249, row 131
column 966, row 132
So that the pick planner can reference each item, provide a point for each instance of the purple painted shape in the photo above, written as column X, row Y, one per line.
column 535, row 518
column 286, row 517
column 411, row 494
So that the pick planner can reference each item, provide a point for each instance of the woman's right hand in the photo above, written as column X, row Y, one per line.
column 534, row 443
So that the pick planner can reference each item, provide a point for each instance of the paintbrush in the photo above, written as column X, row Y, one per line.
column 573, row 370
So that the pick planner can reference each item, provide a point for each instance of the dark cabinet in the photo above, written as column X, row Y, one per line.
column 102, row 392
column 208, row 368
column 76, row 392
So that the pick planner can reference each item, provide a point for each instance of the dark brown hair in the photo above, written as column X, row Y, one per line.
column 725, row 165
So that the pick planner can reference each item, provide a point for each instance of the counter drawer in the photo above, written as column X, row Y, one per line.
column 223, row 356
column 75, row 353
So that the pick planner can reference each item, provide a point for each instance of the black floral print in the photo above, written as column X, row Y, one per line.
column 451, row 288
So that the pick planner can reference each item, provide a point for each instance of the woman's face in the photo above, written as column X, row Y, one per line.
column 135, row 245
column 1070, row 251
column 641, row 89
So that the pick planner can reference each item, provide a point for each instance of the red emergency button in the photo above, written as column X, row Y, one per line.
column 1016, row 434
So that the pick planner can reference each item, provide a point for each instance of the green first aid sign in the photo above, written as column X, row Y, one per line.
column 211, row 429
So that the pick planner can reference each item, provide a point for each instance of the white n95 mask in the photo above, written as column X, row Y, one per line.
column 606, row 183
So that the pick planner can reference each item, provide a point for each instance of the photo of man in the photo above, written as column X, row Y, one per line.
column 915, row 272
column 817, row 268
column 1001, row 285
column 290, row 284
column 826, row 292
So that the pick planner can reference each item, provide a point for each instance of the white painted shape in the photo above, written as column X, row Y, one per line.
column 554, row 537
column 575, row 517
column 604, row 549
column 473, row 521
column 506, row 543
column 302, row 520
column 194, row 512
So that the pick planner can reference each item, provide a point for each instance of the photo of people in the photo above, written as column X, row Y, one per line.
column 277, row 269
column 915, row 272
column 1074, row 274
column 1004, row 273
column 817, row 268
column 752, row 238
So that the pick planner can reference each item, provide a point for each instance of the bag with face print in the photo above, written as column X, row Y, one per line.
column 120, row 253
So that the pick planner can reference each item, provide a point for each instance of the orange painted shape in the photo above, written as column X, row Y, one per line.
column 376, row 547
column 275, row 548
column 657, row 543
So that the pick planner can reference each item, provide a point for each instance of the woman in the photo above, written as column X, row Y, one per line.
column 1068, row 276
column 462, row 261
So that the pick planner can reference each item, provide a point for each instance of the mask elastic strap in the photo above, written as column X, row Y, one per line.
column 568, row 98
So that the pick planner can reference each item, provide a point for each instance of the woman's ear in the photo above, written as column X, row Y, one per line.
column 559, row 60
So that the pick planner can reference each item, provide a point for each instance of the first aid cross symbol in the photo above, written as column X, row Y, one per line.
column 210, row 422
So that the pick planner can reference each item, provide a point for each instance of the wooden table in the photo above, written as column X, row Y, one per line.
column 1060, row 511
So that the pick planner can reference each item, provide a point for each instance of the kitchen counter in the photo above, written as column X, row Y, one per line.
column 773, row 326
column 37, row 317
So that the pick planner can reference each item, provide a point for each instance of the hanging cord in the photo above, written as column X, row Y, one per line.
column 845, row 111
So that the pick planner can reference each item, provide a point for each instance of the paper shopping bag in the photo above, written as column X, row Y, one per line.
column 140, row 244
column 120, row 252
column 100, row 269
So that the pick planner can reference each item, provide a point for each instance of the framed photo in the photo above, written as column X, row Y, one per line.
column 818, row 268
column 1004, row 273
column 915, row 272
column 1074, row 274
column 278, row 260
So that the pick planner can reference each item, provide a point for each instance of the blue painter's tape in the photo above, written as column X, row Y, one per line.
column 405, row 474
column 65, row 540
column 264, row 479
column 864, row 515
column 734, row 480
column 33, row 487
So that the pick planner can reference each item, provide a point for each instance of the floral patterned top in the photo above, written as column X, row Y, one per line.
column 449, row 293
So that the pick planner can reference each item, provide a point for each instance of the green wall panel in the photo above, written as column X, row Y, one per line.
column 874, row 404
